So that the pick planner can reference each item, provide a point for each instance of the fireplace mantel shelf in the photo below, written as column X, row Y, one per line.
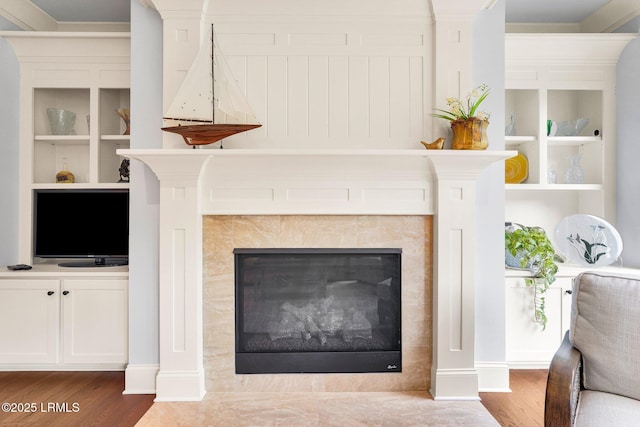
column 450, row 163
column 230, row 152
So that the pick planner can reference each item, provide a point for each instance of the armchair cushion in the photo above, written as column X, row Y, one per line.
column 597, row 409
column 605, row 328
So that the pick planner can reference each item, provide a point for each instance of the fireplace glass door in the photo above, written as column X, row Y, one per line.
column 317, row 310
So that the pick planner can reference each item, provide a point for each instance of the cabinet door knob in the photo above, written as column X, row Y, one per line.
column 50, row 293
column 568, row 292
column 65, row 292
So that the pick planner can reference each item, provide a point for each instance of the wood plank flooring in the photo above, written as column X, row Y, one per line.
column 69, row 399
column 96, row 399
column 524, row 406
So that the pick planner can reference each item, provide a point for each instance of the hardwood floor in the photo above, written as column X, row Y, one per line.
column 524, row 406
column 96, row 399
column 69, row 399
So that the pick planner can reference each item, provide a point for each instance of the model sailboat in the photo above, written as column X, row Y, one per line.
column 209, row 106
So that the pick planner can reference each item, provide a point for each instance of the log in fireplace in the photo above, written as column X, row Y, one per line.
column 317, row 310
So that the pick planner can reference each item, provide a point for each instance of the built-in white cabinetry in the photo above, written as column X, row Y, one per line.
column 74, row 318
column 528, row 344
column 30, row 313
column 557, row 77
column 58, row 321
column 562, row 77
column 87, row 74
column 94, row 323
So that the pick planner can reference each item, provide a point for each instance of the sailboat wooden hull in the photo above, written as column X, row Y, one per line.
column 204, row 134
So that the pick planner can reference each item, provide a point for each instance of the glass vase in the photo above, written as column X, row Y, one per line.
column 575, row 174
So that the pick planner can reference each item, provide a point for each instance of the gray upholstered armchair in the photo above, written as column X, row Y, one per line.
column 594, row 377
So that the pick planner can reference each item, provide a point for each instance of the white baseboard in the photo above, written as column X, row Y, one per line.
column 140, row 379
column 493, row 377
column 454, row 384
column 181, row 386
column 529, row 365
column 61, row 367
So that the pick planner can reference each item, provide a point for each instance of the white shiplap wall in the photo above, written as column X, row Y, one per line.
column 333, row 80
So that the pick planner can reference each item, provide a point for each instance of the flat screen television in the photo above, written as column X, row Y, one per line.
column 80, row 224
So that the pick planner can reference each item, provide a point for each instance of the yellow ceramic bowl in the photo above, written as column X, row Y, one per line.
column 516, row 169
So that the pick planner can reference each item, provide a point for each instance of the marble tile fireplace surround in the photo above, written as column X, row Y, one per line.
column 223, row 234
column 212, row 201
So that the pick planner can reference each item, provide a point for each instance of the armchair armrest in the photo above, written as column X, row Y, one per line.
column 563, row 386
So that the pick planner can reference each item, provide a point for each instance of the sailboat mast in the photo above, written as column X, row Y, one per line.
column 213, row 79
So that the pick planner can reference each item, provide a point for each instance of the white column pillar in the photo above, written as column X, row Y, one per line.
column 453, row 370
column 181, row 374
column 453, row 373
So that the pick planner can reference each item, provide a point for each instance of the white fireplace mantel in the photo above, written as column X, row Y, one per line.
column 201, row 182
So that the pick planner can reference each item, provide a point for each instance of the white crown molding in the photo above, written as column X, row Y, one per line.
column 76, row 27
column 27, row 16
column 607, row 19
column 175, row 5
column 542, row 28
column 571, row 48
column 611, row 16
column 147, row 3
column 457, row 10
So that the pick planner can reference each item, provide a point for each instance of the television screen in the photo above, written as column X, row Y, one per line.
column 82, row 223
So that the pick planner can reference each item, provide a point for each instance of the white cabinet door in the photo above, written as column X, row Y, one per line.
column 567, row 289
column 94, row 320
column 527, row 343
column 29, row 314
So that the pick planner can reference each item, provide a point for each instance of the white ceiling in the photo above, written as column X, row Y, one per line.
column 60, row 15
column 87, row 10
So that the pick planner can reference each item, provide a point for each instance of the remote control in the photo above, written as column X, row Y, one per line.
column 19, row 267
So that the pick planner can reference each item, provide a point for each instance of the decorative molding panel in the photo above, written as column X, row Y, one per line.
column 317, row 183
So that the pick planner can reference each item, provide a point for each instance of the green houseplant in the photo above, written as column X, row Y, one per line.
column 529, row 248
column 459, row 110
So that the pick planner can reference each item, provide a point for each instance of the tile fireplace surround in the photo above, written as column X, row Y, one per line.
column 223, row 233
column 422, row 201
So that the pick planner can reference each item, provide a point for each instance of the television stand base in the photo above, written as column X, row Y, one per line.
column 97, row 262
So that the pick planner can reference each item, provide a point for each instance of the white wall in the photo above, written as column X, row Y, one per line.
column 488, row 67
column 146, row 114
column 9, row 108
column 9, row 143
column 628, row 151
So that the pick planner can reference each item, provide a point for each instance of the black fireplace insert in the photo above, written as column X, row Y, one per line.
column 318, row 310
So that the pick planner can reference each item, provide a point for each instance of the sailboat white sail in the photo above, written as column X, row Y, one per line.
column 209, row 105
